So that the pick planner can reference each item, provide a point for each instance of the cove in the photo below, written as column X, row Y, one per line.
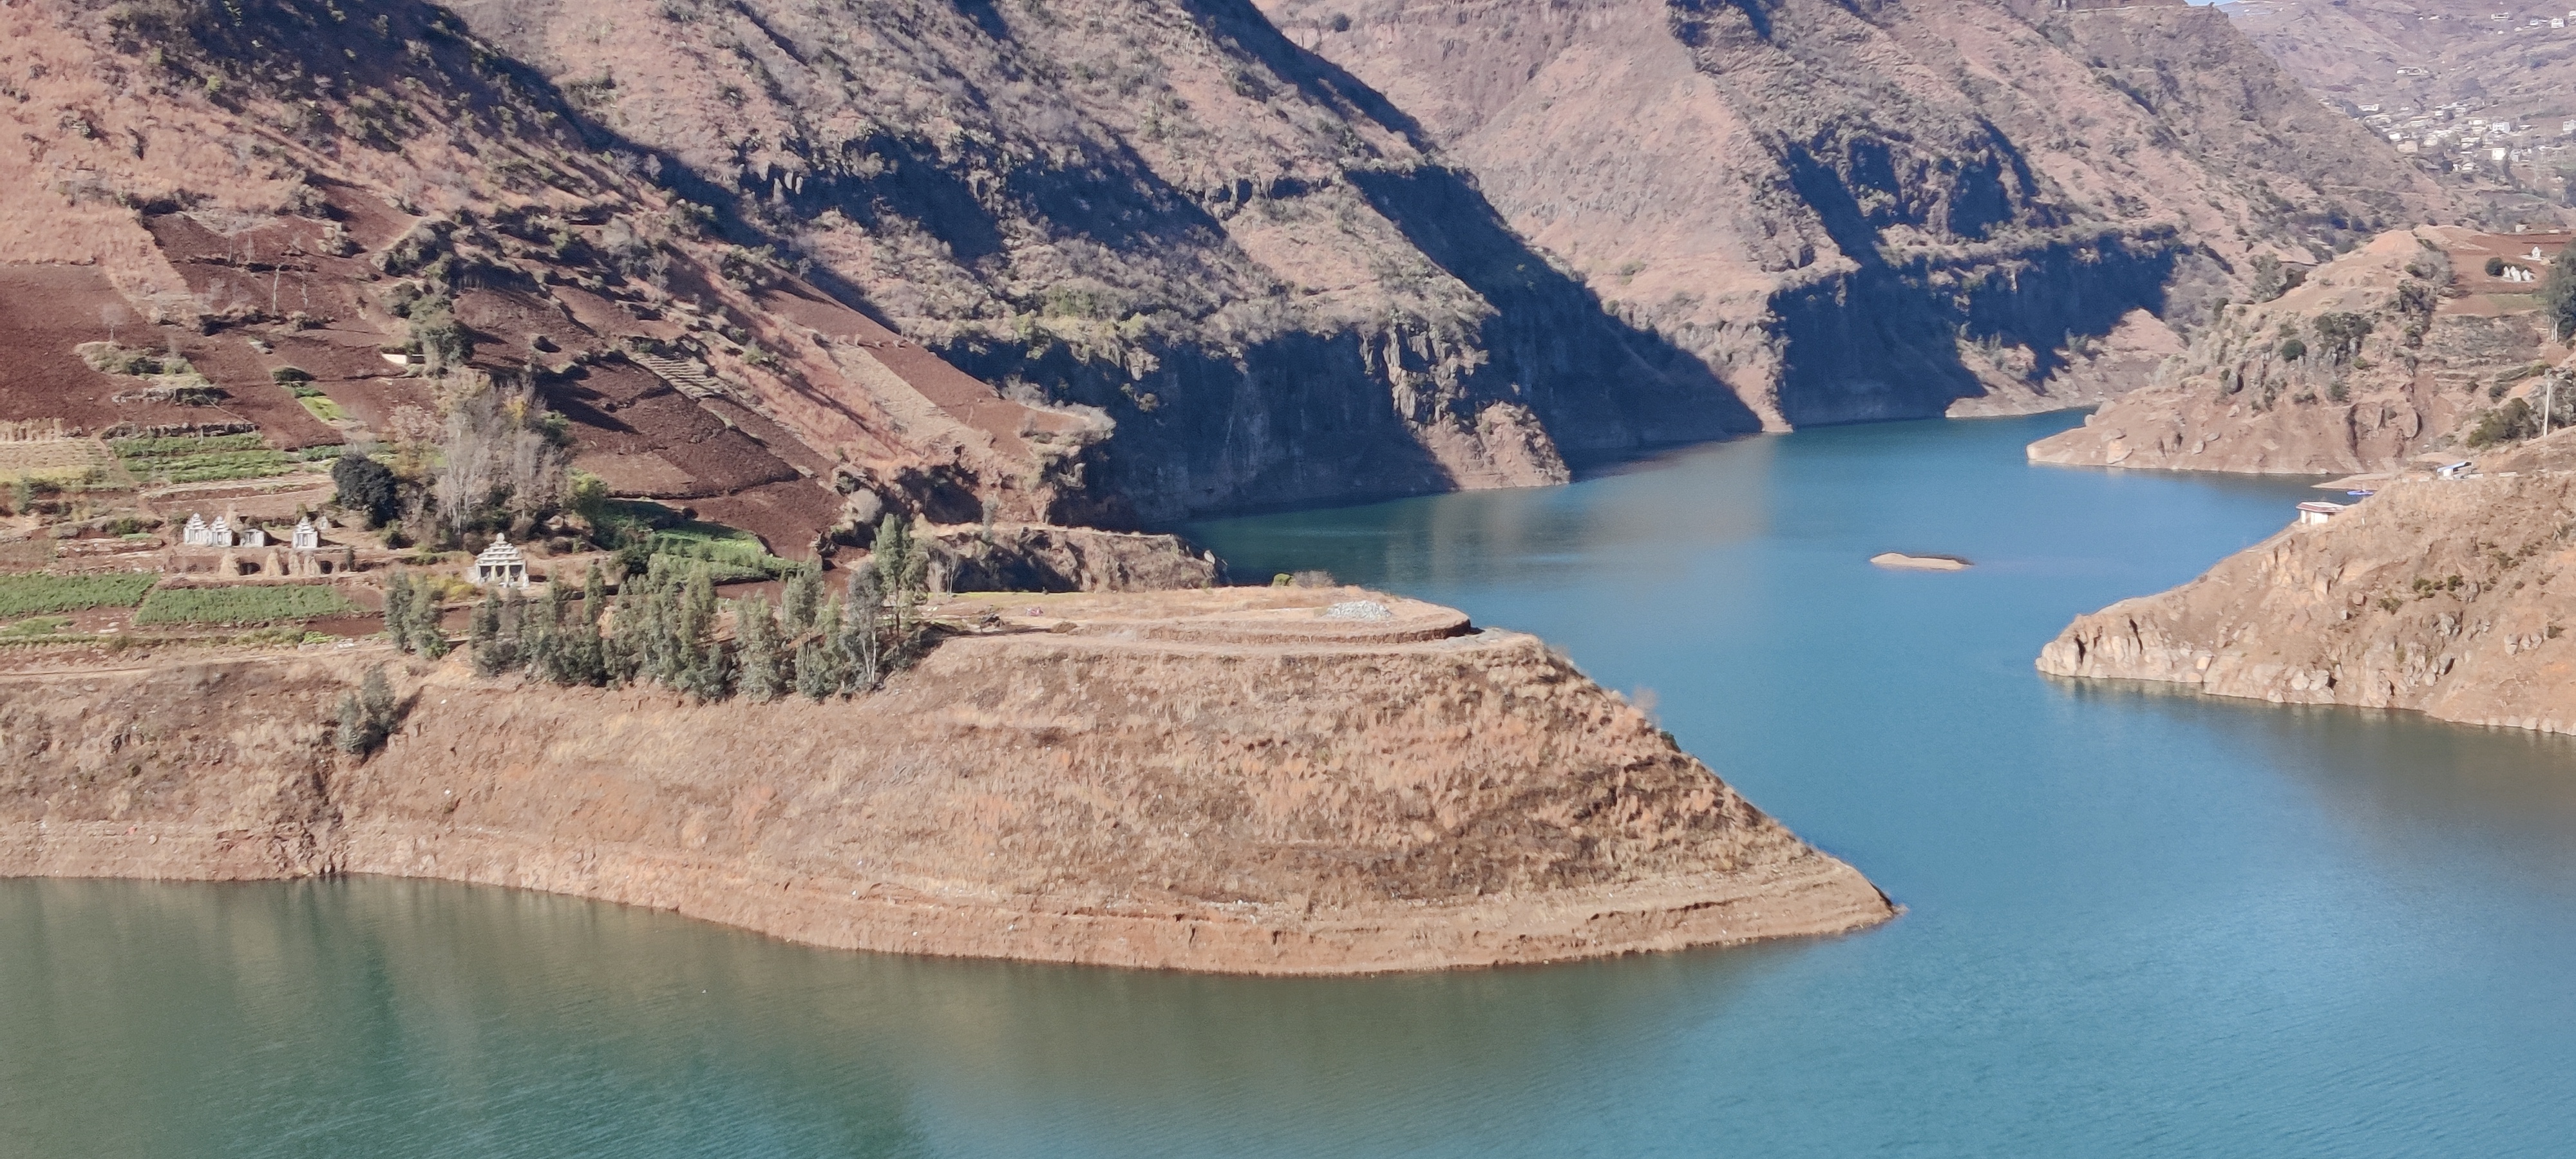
column 2140, row 923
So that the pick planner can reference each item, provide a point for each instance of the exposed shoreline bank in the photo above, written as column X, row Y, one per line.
column 1226, row 781
column 2435, row 595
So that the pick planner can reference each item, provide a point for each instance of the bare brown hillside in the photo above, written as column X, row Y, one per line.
column 751, row 268
column 1227, row 781
column 2448, row 597
column 1156, row 208
column 2399, row 348
column 2449, row 81
column 352, row 202
column 1883, row 210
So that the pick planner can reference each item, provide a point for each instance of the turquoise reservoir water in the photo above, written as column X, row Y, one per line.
column 2140, row 923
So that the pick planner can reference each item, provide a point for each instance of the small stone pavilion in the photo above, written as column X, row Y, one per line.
column 502, row 563
column 301, row 559
column 228, row 530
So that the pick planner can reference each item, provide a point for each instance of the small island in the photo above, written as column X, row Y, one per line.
column 1900, row 561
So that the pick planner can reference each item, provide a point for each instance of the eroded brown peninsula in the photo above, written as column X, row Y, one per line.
column 1241, row 780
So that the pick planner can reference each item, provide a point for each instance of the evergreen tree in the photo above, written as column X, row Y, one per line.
column 398, row 609
column 698, row 605
column 582, row 661
column 541, row 638
column 2558, row 294
column 366, row 488
column 352, row 735
column 485, row 627
column 376, row 695
column 514, row 615
column 760, row 676
column 367, row 715
column 625, row 652
column 903, row 569
column 427, row 638
column 802, row 599
column 690, row 619
column 818, row 674
column 492, row 655
column 710, row 673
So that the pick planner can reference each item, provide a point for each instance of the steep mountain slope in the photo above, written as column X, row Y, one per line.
column 2453, row 80
column 1275, row 301
column 369, row 209
column 1874, row 210
column 761, row 255
column 1155, row 208
column 2401, row 347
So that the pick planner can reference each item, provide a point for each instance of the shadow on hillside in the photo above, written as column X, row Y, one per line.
column 1602, row 386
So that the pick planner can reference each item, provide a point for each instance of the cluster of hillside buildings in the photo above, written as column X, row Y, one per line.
column 2454, row 139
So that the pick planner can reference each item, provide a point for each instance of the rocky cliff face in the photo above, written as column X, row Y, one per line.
column 1192, row 270
column 2448, row 597
column 1880, row 210
column 1158, row 209
column 2393, row 350
column 1119, row 260
column 1092, row 782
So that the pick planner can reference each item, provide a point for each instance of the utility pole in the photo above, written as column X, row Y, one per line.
column 2548, row 402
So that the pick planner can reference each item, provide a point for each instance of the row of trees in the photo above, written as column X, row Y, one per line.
column 662, row 629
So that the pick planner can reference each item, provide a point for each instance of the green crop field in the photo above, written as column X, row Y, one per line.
column 201, row 458
column 25, row 595
column 262, row 604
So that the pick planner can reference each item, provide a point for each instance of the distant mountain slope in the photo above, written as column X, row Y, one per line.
column 2437, row 73
column 1873, row 210
column 2401, row 347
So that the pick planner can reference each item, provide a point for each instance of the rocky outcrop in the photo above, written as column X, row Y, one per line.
column 2448, row 597
column 1243, row 780
column 2388, row 352
column 1039, row 558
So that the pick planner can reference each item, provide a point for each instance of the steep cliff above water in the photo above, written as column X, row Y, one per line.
column 1230, row 781
column 2393, row 350
column 2448, row 597
column 1189, row 275
column 1199, row 266
column 1157, row 208
column 1882, row 210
